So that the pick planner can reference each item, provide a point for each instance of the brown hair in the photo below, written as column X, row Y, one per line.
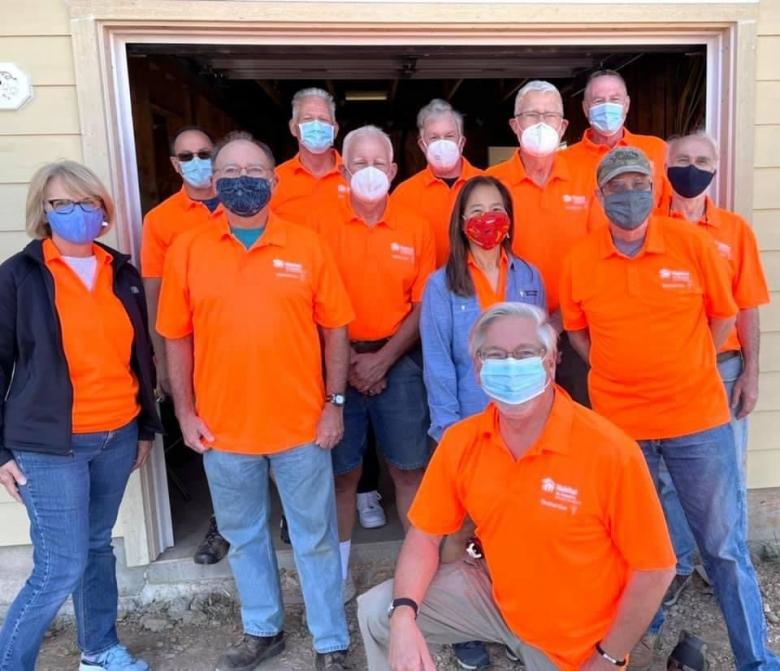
column 457, row 271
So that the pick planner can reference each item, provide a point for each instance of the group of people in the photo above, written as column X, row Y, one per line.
column 463, row 324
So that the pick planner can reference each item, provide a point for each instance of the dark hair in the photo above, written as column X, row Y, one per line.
column 236, row 135
column 457, row 270
column 180, row 132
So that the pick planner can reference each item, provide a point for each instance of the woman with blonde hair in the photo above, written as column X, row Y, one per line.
column 77, row 411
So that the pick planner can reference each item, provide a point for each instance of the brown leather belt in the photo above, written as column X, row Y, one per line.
column 728, row 356
column 368, row 346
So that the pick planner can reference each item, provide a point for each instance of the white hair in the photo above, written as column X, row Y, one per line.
column 365, row 131
column 538, row 86
column 546, row 333
column 673, row 141
column 436, row 108
column 312, row 92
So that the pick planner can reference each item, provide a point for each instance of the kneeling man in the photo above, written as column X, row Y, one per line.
column 576, row 552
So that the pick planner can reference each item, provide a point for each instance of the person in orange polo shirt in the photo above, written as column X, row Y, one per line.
column 195, row 204
column 385, row 254
column 576, row 551
column 606, row 103
column 692, row 163
column 431, row 192
column 313, row 176
column 243, row 307
column 551, row 204
column 648, row 301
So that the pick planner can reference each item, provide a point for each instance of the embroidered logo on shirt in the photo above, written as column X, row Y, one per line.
column 675, row 279
column 401, row 252
column 723, row 249
column 289, row 269
column 564, row 497
column 573, row 202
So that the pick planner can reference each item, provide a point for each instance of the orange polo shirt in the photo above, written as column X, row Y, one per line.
column 430, row 197
column 549, row 219
column 562, row 527
column 736, row 243
column 486, row 297
column 585, row 156
column 173, row 216
column 384, row 266
column 653, row 369
column 253, row 315
column 298, row 192
column 97, row 337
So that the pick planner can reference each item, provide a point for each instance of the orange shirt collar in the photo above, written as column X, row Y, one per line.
column 556, row 436
column 466, row 172
column 350, row 216
column 587, row 140
column 299, row 167
column 654, row 243
column 503, row 261
column 712, row 213
column 184, row 201
column 51, row 253
column 518, row 174
column 274, row 233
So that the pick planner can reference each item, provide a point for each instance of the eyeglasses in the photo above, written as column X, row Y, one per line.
column 232, row 171
column 65, row 206
column 520, row 353
column 629, row 185
column 536, row 117
column 185, row 156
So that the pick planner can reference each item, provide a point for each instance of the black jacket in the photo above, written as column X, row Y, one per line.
column 36, row 394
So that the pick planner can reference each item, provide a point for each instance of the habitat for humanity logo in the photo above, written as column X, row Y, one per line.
column 401, row 252
column 558, row 496
column 289, row 269
column 674, row 279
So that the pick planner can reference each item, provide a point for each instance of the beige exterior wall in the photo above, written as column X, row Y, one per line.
column 36, row 36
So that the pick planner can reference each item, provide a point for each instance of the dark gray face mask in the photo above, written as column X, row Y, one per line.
column 628, row 210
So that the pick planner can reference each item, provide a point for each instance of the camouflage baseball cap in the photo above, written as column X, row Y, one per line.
column 621, row 160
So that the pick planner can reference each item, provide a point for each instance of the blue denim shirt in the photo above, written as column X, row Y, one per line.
column 445, row 324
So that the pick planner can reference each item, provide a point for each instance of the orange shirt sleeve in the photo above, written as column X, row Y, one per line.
column 174, row 311
column 750, row 287
column 437, row 508
column 152, row 250
column 332, row 307
column 573, row 315
column 426, row 264
column 637, row 524
column 715, row 276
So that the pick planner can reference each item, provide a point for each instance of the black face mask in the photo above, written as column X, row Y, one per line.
column 689, row 181
column 245, row 195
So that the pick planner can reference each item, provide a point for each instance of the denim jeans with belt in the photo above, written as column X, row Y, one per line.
column 706, row 473
column 72, row 502
column 240, row 493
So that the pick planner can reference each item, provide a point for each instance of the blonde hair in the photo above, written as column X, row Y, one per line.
column 79, row 179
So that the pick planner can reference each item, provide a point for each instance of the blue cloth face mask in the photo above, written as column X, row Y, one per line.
column 77, row 226
column 244, row 195
column 630, row 209
column 606, row 117
column 196, row 172
column 513, row 381
column 316, row 136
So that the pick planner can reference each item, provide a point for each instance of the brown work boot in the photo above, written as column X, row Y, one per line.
column 643, row 654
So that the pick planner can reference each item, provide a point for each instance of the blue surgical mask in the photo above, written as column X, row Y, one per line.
column 606, row 117
column 630, row 209
column 316, row 136
column 196, row 172
column 244, row 195
column 513, row 381
column 77, row 226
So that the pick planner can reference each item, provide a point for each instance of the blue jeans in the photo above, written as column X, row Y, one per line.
column 705, row 471
column 682, row 538
column 240, row 493
column 399, row 417
column 72, row 502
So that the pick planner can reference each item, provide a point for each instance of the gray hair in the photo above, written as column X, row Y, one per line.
column 436, row 108
column 598, row 74
column 242, row 136
column 539, row 86
column 544, row 330
column 313, row 92
column 365, row 131
column 700, row 134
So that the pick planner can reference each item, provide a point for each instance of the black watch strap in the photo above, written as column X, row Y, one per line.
column 612, row 660
column 403, row 601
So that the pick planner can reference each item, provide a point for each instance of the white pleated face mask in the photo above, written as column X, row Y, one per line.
column 369, row 184
column 540, row 139
column 443, row 154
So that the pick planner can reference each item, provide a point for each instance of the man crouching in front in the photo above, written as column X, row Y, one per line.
column 576, row 552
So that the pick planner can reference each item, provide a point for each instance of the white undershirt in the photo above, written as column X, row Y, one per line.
column 84, row 267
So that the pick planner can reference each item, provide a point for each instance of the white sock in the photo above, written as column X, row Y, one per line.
column 344, row 548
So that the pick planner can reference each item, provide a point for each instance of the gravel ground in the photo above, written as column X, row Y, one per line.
column 189, row 634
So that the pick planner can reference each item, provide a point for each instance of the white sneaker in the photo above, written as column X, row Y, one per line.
column 370, row 511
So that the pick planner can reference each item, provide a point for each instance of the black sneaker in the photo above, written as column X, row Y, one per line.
column 471, row 655
column 213, row 547
column 252, row 650
column 678, row 586
column 332, row 661
column 690, row 654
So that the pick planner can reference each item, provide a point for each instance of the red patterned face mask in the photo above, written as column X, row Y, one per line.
column 487, row 229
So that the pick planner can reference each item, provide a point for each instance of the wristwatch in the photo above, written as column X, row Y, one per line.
column 336, row 399
column 403, row 601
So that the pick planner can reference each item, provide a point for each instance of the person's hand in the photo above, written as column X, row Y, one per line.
column 744, row 395
column 408, row 649
column 330, row 428
column 378, row 388
column 163, row 380
column 597, row 663
column 144, row 449
column 368, row 369
column 195, row 433
column 11, row 478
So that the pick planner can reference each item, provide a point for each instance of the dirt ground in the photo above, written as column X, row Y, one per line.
column 190, row 634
